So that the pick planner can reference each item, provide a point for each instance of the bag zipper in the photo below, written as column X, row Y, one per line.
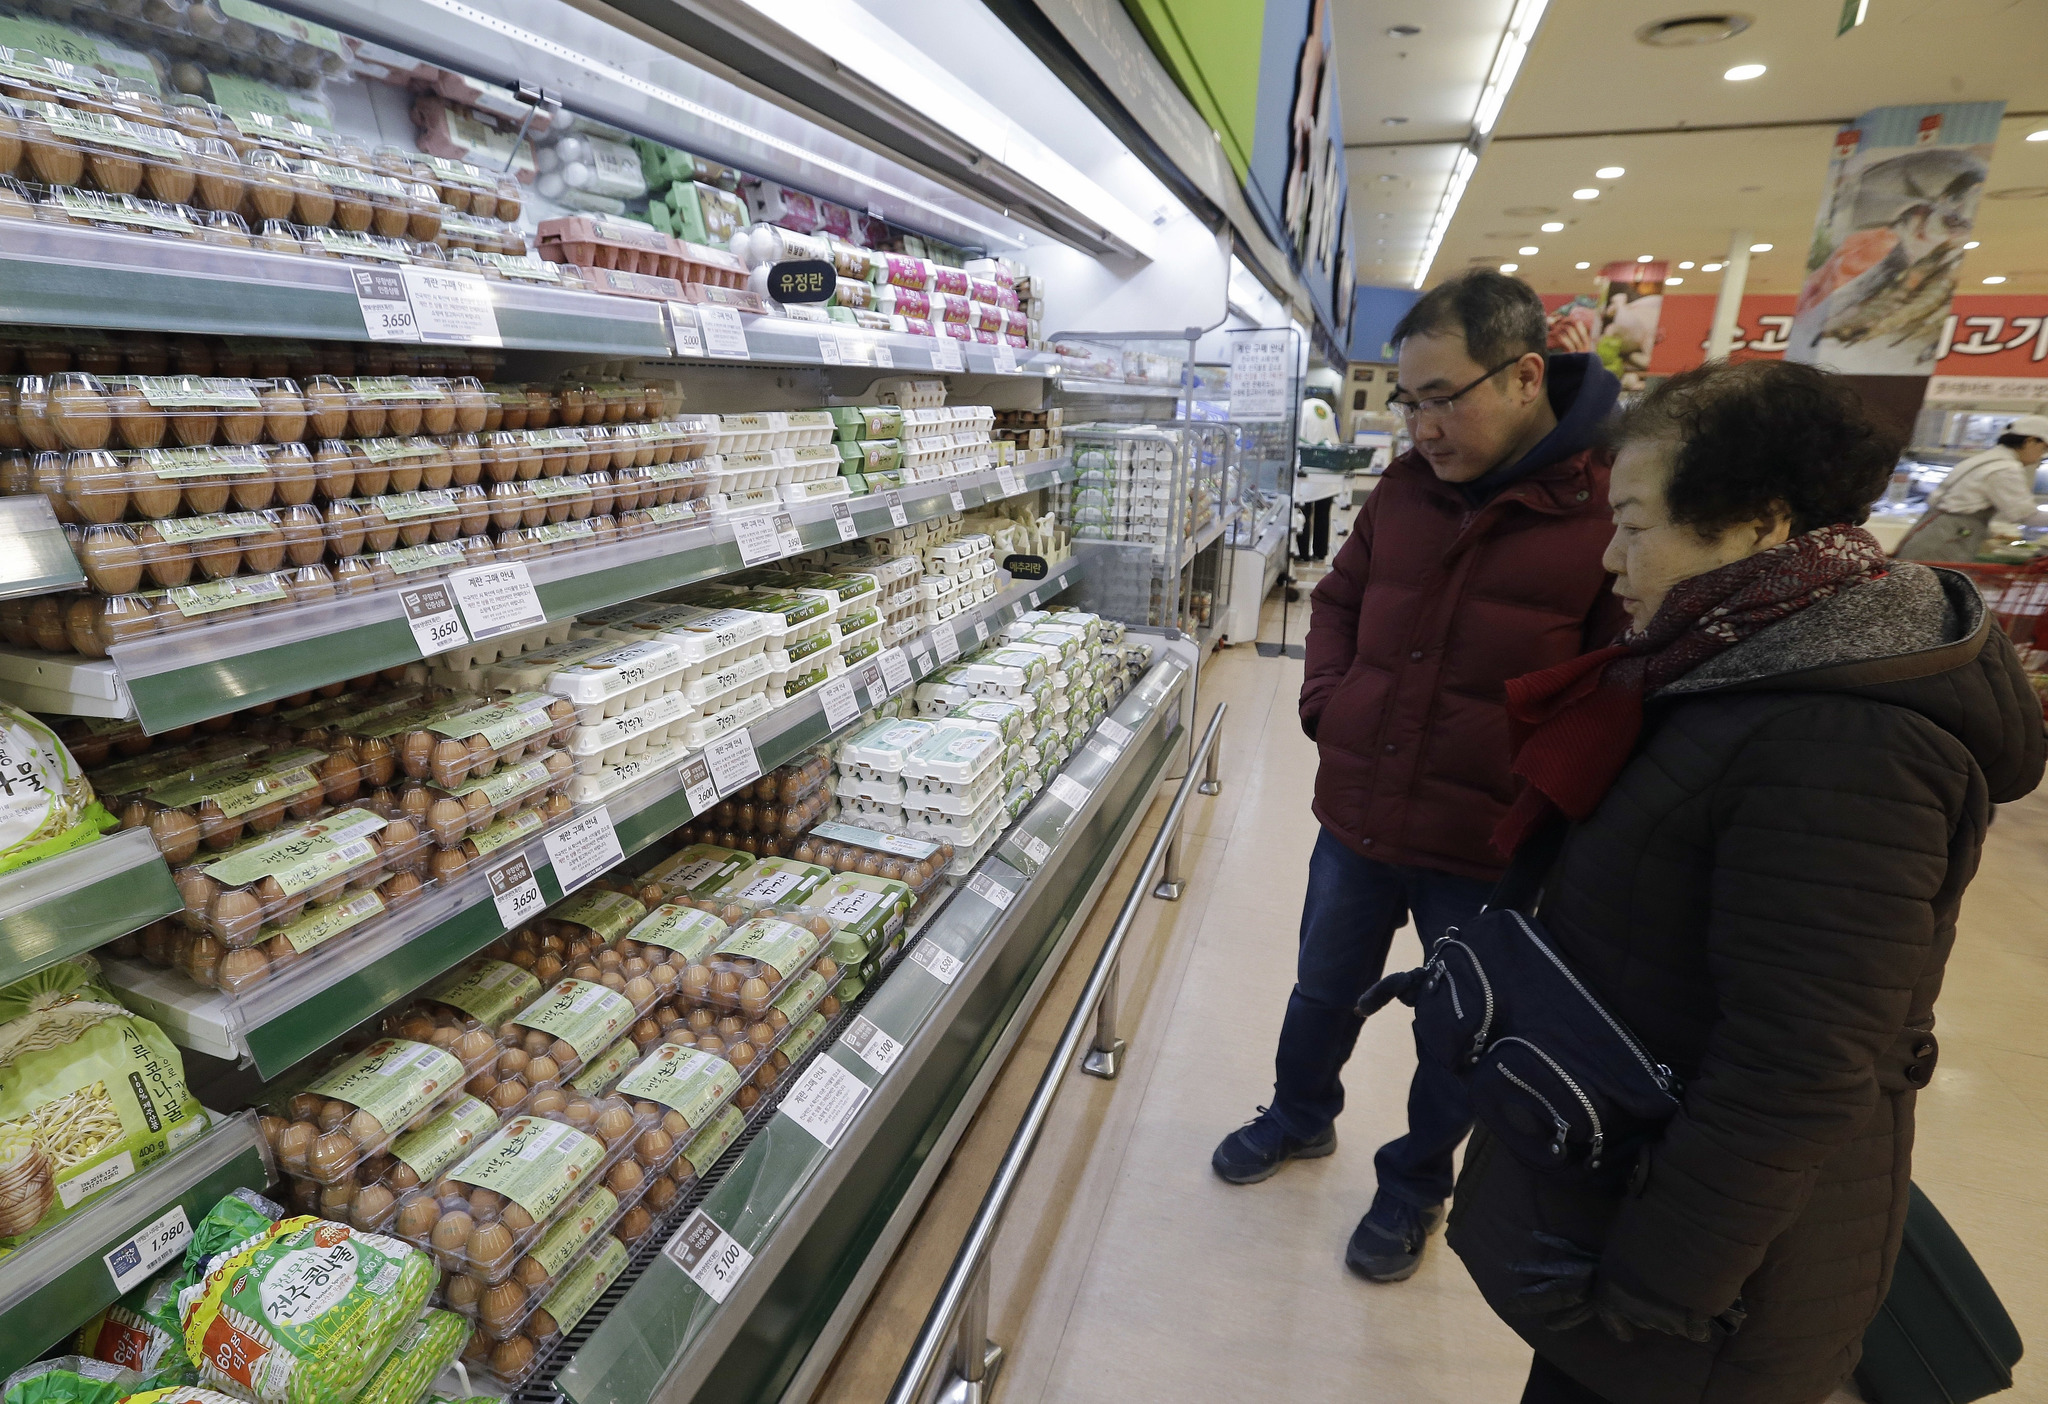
column 1559, row 1123
column 1659, row 1074
column 1485, row 990
column 1599, row 1136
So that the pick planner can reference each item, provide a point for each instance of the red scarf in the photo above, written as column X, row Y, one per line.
column 1574, row 726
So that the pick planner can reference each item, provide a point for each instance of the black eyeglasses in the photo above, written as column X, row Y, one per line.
column 1437, row 406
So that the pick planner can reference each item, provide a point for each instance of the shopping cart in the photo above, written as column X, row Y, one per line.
column 2017, row 595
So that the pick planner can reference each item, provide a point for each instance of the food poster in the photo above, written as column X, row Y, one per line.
column 1628, row 303
column 1901, row 200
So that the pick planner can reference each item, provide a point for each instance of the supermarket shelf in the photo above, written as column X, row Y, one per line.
column 34, row 556
column 1084, row 385
column 61, row 1278
column 278, row 1023
column 171, row 680
column 793, row 341
column 1193, row 546
column 820, row 1222
column 79, row 900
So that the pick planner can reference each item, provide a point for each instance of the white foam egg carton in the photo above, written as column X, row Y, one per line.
column 730, row 713
column 629, row 733
column 617, row 775
column 744, row 433
column 529, row 671
column 877, row 751
column 618, row 680
column 806, row 428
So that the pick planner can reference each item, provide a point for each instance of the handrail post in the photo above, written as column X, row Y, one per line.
column 1171, row 883
column 1106, row 1055
column 1211, row 784
column 976, row 1359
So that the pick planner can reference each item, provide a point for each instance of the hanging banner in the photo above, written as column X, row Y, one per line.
column 1629, row 301
column 1901, row 200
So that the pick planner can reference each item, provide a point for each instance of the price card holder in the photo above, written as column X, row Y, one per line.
column 871, row 679
column 981, row 631
column 682, row 330
column 724, row 335
column 943, row 965
column 885, row 359
column 1006, row 480
column 1119, row 734
column 766, row 536
column 733, row 760
column 515, row 892
column 497, row 599
column 828, row 349
column 583, row 848
column 842, row 521
column 430, row 614
column 946, row 643
column 708, row 1255
column 1006, row 358
column 840, row 706
column 387, row 311
column 698, row 786
column 153, row 1245
column 869, row 1044
column 921, row 660
column 825, row 1100
column 1031, row 600
column 451, row 309
column 895, row 670
column 991, row 891
column 946, row 355
column 854, row 350
column 894, row 500
column 1069, row 792
column 959, row 501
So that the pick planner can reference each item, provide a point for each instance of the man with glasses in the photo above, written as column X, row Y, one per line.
column 1477, row 559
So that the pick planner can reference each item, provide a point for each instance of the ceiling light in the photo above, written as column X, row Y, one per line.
column 1446, row 207
column 1710, row 268
column 1995, row 278
column 2041, row 135
column 1688, row 30
column 1554, row 227
column 1673, row 282
column 1610, row 173
column 1761, row 248
column 1528, row 249
column 1403, row 31
column 1974, row 243
column 1686, row 264
column 1646, row 258
column 1393, row 121
column 1582, row 265
column 1507, row 62
column 1743, row 72
column 1511, row 267
column 1589, row 193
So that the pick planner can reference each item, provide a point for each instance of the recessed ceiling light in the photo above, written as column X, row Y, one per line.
column 1710, row 268
column 2041, row 135
column 1610, row 173
column 1589, row 193
column 1995, row 278
column 1646, row 258
column 1673, row 282
column 1393, row 121
column 1511, row 267
column 1686, row 264
column 1974, row 243
column 1761, row 248
column 1403, row 31
column 1527, row 250
column 1553, row 227
column 1582, row 265
column 1685, row 31
column 1743, row 72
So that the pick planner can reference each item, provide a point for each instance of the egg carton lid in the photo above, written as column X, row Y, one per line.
column 957, row 800
column 882, row 747
column 529, row 671
column 605, row 675
column 613, row 776
column 956, row 753
column 655, row 712
column 848, row 786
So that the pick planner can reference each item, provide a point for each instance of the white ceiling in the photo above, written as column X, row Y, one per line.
column 1590, row 95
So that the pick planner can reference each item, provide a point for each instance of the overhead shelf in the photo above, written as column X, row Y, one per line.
column 171, row 680
column 323, row 996
column 61, row 1278
column 1084, row 385
column 80, row 900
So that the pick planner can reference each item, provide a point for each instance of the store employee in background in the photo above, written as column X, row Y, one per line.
column 1997, row 484
column 1477, row 559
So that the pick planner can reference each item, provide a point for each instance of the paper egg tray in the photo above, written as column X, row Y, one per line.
column 619, row 679
column 325, row 1139
column 747, row 433
column 450, row 815
column 648, row 727
column 735, row 709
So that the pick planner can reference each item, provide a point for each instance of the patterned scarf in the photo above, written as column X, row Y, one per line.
column 1574, row 726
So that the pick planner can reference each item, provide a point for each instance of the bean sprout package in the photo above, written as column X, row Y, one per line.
column 91, row 1095
column 46, row 803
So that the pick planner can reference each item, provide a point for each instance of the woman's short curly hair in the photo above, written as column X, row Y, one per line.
column 1758, row 437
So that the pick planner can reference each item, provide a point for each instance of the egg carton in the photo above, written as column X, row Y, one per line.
column 476, row 655
column 747, row 433
column 808, row 428
column 751, row 673
column 848, row 787
column 607, row 684
column 815, row 464
column 742, row 471
column 730, row 712
column 361, row 1101
column 953, row 758
column 924, row 802
column 962, row 830
column 624, row 772
column 966, row 855
column 708, row 639
column 633, row 732
column 452, row 814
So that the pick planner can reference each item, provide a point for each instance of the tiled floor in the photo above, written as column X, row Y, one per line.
column 1128, row 1272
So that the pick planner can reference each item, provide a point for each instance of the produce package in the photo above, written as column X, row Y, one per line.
column 422, row 1353
column 90, row 1095
column 303, row 1312
column 46, row 804
column 68, row 1379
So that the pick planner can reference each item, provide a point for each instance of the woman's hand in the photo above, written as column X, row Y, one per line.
column 1569, row 1291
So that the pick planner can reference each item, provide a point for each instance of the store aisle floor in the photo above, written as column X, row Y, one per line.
column 1129, row 1272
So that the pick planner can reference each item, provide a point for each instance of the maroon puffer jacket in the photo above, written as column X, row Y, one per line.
column 1429, row 608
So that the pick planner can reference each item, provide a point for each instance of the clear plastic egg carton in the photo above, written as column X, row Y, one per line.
column 847, row 847
column 616, row 681
column 478, row 740
column 867, row 912
column 696, row 871
column 756, row 961
column 452, row 814
column 368, row 1198
column 255, row 787
column 260, row 891
column 359, row 1103
column 548, row 1043
column 771, row 883
column 652, row 725
column 748, row 433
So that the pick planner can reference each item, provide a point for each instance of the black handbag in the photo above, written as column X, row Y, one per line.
column 1942, row 1336
column 1550, row 1071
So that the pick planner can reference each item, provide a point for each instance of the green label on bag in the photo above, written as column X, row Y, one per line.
column 508, row 829
column 433, row 555
column 780, row 944
column 534, row 1162
column 581, row 1288
column 435, row 1145
column 687, row 1082
column 587, row 1017
column 599, row 1072
column 326, row 923
column 175, row 463
column 568, row 1235
column 193, row 391
column 609, row 914
column 394, row 1080
column 686, row 931
column 210, row 528
column 412, row 506
column 516, row 718
column 490, row 992
column 303, row 857
column 395, row 387
column 507, row 784
column 212, row 596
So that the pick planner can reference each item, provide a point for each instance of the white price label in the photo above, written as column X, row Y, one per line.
column 1104, row 750
column 884, row 357
column 451, row 309
column 583, row 848
column 497, row 599
column 723, row 334
column 959, row 501
column 152, row 1247
column 1006, row 357
column 1116, row 731
column 922, row 659
column 981, row 631
column 894, row 500
column 732, row 760
column 871, row 679
column 1035, row 848
column 828, row 349
column 698, row 786
column 840, row 707
column 1032, row 599
column 825, row 1100
column 430, row 613
column 682, row 330
column 759, row 536
column 854, row 350
column 387, row 311
column 945, row 643
column 991, row 891
column 842, row 518
column 708, row 1255
column 1069, row 792
column 515, row 892
column 1006, row 480
column 946, row 354
column 943, row 964
column 895, row 670
column 871, row 1045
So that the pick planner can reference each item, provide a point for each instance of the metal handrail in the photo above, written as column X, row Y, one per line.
column 963, row 1300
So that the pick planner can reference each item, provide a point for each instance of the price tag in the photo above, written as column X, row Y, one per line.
column 871, row 679
column 708, row 1255
column 732, row 760
column 981, row 631
column 828, row 349
column 1035, row 848
column 682, row 330
column 1104, row 749
column 387, row 311
column 959, row 501
column 884, row 357
column 515, row 892
column 758, row 537
column 946, row 355
column 991, row 891
column 149, row 1249
column 854, row 350
column 840, row 708
column 1116, row 731
column 895, row 670
column 1069, row 792
column 1006, row 358
column 825, row 1100
column 894, row 499
column 1006, row 480
column 497, row 599
column 1032, row 599
column 871, row 1045
column 842, row 518
column 922, row 659
column 945, row 643
column 451, row 309
column 944, row 965
column 698, row 786
column 430, row 613
column 583, row 848
column 723, row 334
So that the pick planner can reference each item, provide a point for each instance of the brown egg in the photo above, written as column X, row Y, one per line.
column 332, row 1114
column 614, row 1122
column 473, row 1046
column 501, row 1306
column 463, row 1291
column 511, row 1357
column 633, row 1225
column 514, row 1218
column 624, row 1178
column 335, row 1199
column 529, row 1273
column 373, row 1202
column 333, row 1154
column 661, row 1191
column 420, row 1217
column 653, row 1147
column 236, row 916
column 294, row 1142
column 508, row 1094
column 488, row 1244
column 543, row 1068
column 453, row 1230
column 177, row 837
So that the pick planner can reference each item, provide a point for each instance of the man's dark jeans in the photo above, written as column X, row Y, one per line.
column 1348, row 919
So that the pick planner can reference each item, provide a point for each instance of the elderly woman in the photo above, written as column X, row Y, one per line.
column 1778, row 783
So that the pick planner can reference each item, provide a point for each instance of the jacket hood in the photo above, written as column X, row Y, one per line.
column 1916, row 637
column 1582, row 395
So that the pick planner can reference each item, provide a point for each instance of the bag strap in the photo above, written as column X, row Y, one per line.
column 1522, row 883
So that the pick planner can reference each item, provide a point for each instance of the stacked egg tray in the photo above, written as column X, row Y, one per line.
column 599, row 242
